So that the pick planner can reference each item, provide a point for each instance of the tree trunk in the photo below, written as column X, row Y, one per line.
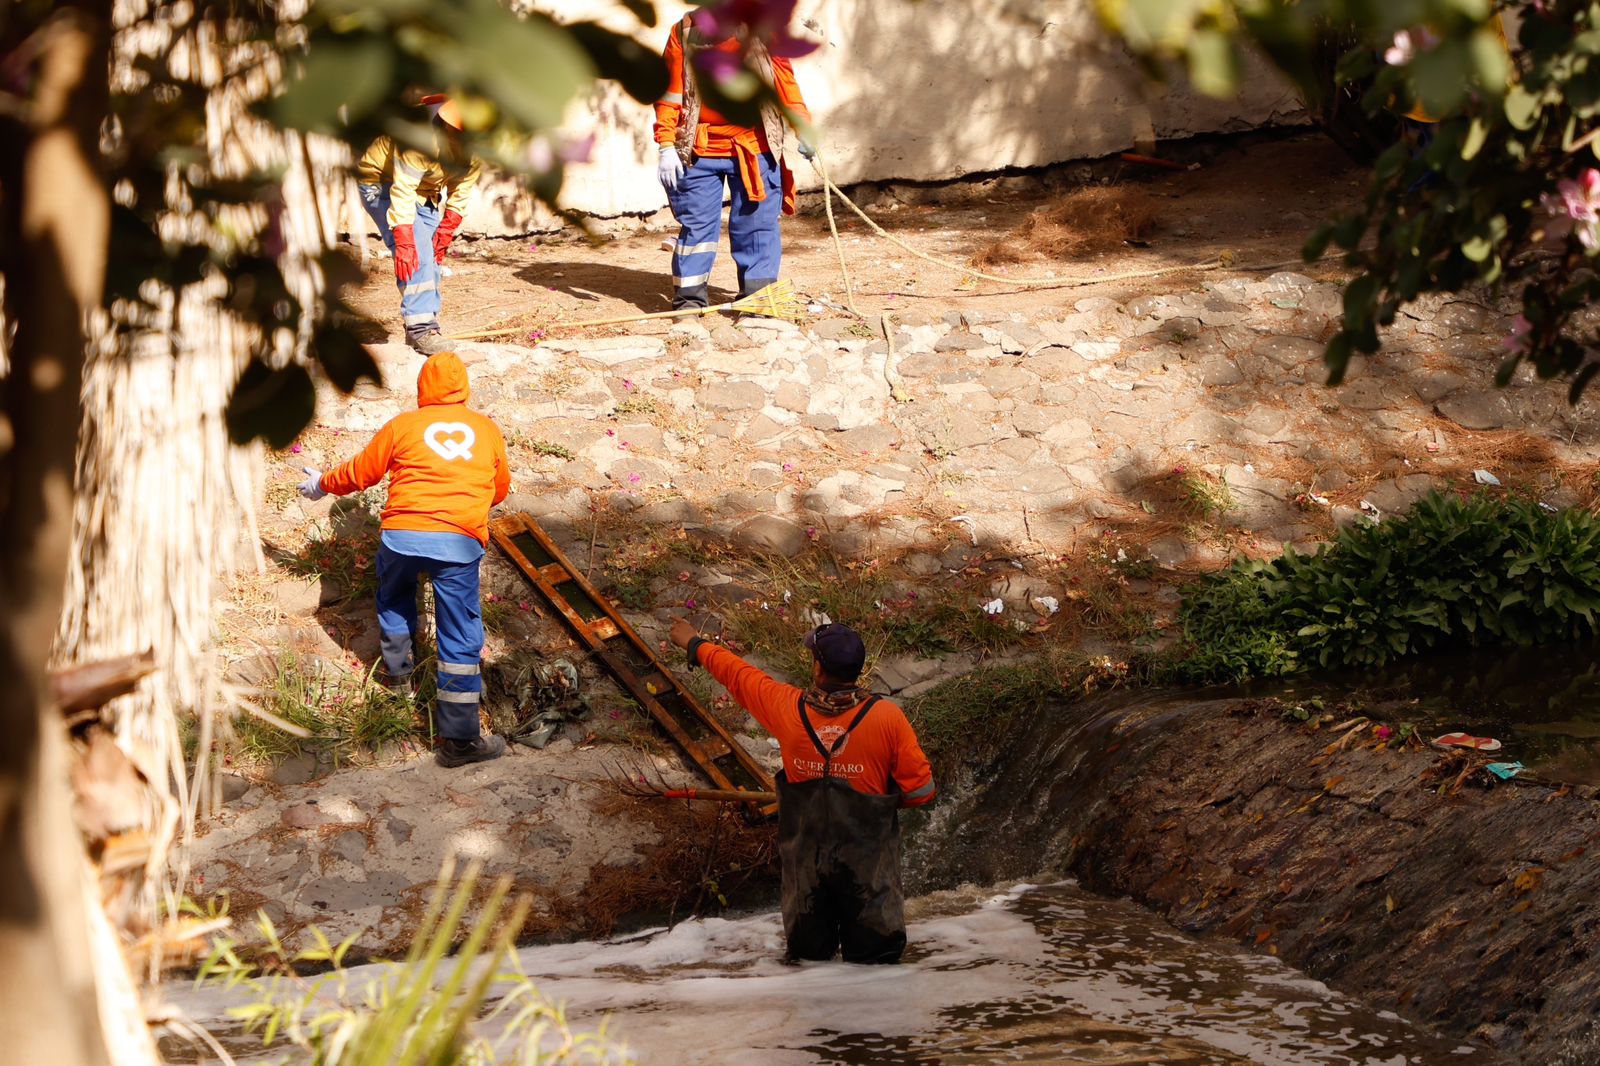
column 54, row 242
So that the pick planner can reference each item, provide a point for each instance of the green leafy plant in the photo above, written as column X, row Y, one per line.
column 330, row 710
column 1500, row 191
column 1471, row 571
column 418, row 1012
column 636, row 405
column 551, row 449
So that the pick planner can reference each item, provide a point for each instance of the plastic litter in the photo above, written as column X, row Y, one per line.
column 1466, row 740
column 1505, row 771
column 994, row 606
column 546, row 698
column 1050, row 604
column 1483, row 477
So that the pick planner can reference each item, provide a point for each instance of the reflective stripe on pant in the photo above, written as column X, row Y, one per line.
column 458, row 612
column 753, row 232
column 420, row 297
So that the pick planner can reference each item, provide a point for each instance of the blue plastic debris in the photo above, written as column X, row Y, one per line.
column 1505, row 771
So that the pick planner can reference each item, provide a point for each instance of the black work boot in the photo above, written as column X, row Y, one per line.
column 454, row 753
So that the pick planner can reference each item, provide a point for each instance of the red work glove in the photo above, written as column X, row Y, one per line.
column 445, row 234
column 405, row 253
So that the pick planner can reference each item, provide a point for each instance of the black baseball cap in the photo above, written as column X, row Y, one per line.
column 839, row 649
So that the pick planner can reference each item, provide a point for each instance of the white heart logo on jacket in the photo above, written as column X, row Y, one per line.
column 441, row 438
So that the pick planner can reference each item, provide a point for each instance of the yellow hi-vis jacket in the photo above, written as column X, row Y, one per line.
column 414, row 177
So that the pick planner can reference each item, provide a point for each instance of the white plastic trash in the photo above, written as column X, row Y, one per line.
column 1483, row 477
column 994, row 606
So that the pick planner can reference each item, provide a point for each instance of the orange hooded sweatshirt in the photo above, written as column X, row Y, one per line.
column 446, row 463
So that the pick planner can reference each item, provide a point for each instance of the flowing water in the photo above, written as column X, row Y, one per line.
column 1048, row 974
column 1030, row 974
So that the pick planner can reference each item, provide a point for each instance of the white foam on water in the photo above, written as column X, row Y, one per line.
column 1027, row 974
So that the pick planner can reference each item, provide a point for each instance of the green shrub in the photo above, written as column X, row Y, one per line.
column 1453, row 571
column 472, row 1008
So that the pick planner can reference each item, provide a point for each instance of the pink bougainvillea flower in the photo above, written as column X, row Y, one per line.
column 627, row 384
column 524, row 605
column 1383, row 732
column 689, row 603
column 635, row 478
column 722, row 66
column 295, row 448
column 1581, row 198
column 1402, row 51
column 577, row 150
column 1520, row 339
column 766, row 20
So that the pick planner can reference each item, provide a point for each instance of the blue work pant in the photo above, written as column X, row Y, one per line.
column 458, row 614
column 752, row 228
column 420, row 297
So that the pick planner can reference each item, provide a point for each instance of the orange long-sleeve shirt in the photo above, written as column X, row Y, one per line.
column 715, row 137
column 881, row 750
column 446, row 463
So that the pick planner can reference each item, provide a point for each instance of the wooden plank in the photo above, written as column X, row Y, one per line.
column 603, row 635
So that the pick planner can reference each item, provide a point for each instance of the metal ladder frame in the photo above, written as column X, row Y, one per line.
column 602, row 632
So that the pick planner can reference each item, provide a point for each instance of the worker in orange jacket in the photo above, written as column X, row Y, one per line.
column 702, row 153
column 447, row 466
column 850, row 761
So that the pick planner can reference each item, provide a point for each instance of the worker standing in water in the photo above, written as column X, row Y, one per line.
column 850, row 762
column 417, row 202
column 702, row 154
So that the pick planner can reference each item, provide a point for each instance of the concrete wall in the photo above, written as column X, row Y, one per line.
column 914, row 90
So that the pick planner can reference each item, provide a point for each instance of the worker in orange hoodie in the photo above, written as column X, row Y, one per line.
column 447, row 466
column 850, row 761
column 702, row 153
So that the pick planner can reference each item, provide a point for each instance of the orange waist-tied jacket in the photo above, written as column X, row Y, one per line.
column 881, row 755
column 446, row 463
column 714, row 136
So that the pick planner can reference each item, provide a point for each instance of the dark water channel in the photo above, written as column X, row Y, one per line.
column 1027, row 973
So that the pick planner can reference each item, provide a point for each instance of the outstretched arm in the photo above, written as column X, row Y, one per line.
column 366, row 469
column 761, row 695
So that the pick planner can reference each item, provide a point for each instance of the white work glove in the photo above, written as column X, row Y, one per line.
column 807, row 150
column 670, row 170
column 311, row 487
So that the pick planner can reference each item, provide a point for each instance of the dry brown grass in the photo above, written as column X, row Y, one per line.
column 1099, row 219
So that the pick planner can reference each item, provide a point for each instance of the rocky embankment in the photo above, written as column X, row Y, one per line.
column 1399, row 875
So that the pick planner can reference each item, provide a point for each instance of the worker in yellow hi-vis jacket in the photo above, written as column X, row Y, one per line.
column 418, row 202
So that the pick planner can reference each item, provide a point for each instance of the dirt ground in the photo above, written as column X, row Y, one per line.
column 1258, row 196
column 1070, row 454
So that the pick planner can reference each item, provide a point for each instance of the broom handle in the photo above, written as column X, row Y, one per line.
column 682, row 313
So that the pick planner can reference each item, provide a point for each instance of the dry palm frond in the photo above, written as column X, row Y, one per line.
column 638, row 782
column 778, row 300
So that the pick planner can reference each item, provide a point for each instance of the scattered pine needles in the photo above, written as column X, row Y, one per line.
column 1098, row 219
